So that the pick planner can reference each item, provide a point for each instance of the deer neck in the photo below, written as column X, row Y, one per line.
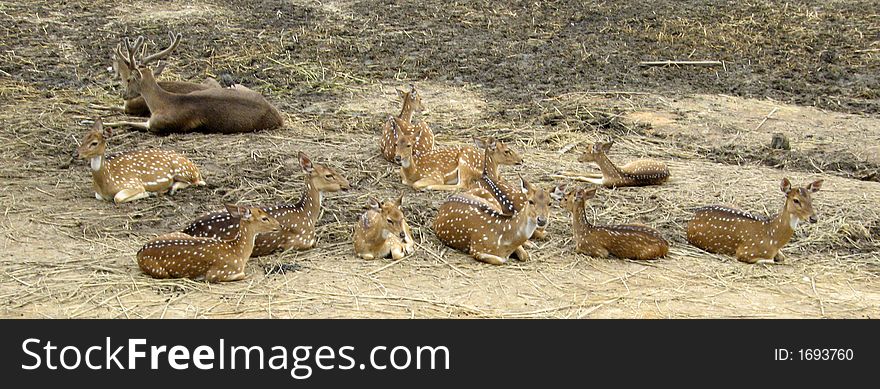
column 100, row 172
column 154, row 96
column 609, row 171
column 243, row 243
column 782, row 226
column 580, row 224
column 310, row 204
column 406, row 112
column 490, row 179
column 410, row 168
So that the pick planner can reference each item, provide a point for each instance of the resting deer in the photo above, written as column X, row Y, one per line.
column 622, row 241
column 136, row 106
column 136, row 174
column 298, row 220
column 752, row 238
column 449, row 168
column 382, row 230
column 636, row 173
column 412, row 102
column 223, row 110
column 468, row 223
column 177, row 255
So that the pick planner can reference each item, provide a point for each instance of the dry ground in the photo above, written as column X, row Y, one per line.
column 542, row 76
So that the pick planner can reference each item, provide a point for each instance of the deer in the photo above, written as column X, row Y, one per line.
column 136, row 106
column 177, row 255
column 412, row 102
column 298, row 220
column 641, row 172
column 382, row 231
column 134, row 175
column 468, row 223
column 214, row 110
column 628, row 241
column 448, row 168
column 753, row 238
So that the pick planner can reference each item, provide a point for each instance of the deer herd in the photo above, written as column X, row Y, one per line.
column 488, row 217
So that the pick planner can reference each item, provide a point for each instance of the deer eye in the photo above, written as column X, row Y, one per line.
column 390, row 221
column 94, row 143
column 328, row 176
column 531, row 202
column 265, row 219
column 796, row 201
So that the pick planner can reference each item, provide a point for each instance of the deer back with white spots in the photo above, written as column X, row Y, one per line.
column 136, row 174
column 298, row 220
column 448, row 168
column 753, row 238
column 636, row 173
column 177, row 255
column 412, row 102
column 382, row 231
column 469, row 223
column 216, row 110
column 622, row 241
column 136, row 106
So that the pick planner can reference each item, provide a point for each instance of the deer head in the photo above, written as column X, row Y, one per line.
column 94, row 143
column 574, row 199
column 391, row 220
column 412, row 99
column 799, row 201
column 498, row 151
column 254, row 218
column 404, row 152
column 597, row 149
column 323, row 178
column 131, row 67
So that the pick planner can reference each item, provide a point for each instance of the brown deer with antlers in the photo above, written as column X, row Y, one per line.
column 221, row 110
column 177, row 255
column 636, row 173
column 298, row 220
column 622, row 241
column 468, row 223
column 134, row 175
column 136, row 106
column 382, row 231
column 752, row 238
column 412, row 102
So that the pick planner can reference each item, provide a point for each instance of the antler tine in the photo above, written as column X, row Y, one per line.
column 175, row 40
column 122, row 56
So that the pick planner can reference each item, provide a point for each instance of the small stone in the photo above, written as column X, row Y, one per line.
column 780, row 142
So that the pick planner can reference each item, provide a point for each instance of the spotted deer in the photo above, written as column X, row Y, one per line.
column 412, row 102
column 218, row 110
column 382, row 231
column 177, row 255
column 636, row 173
column 136, row 106
column 298, row 220
column 134, row 175
column 627, row 241
column 468, row 223
column 448, row 168
column 752, row 238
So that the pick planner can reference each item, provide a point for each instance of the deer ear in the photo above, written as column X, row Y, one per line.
column 373, row 204
column 589, row 193
column 400, row 93
column 305, row 163
column 786, row 186
column 480, row 142
column 246, row 214
column 606, row 146
column 524, row 185
column 233, row 210
column 399, row 201
column 815, row 186
column 558, row 192
column 159, row 68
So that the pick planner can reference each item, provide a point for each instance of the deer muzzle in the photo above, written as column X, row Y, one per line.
column 542, row 221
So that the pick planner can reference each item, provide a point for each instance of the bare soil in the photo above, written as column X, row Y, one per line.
column 547, row 77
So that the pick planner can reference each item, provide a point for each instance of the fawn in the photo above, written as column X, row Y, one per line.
column 298, row 220
column 412, row 102
column 752, row 238
column 622, row 241
column 223, row 110
column 177, row 255
column 636, row 173
column 136, row 174
column 468, row 223
column 136, row 106
column 382, row 230
column 448, row 168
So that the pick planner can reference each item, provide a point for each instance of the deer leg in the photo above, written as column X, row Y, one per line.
column 779, row 257
column 522, row 254
column 744, row 255
column 106, row 108
column 366, row 256
column 397, row 252
column 178, row 185
column 539, row 234
column 489, row 258
column 144, row 126
column 130, row 194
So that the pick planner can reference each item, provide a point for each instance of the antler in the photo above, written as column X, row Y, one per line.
column 128, row 56
column 175, row 40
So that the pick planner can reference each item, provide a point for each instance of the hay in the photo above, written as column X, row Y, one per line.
column 66, row 254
